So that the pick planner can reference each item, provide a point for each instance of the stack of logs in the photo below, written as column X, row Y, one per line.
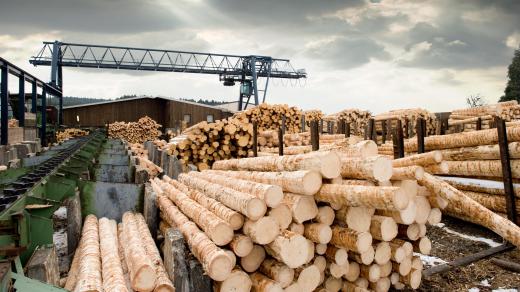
column 269, row 117
column 69, row 133
column 356, row 118
column 117, row 257
column 472, row 163
column 135, row 132
column 312, row 115
column 12, row 123
column 467, row 118
column 348, row 219
column 408, row 118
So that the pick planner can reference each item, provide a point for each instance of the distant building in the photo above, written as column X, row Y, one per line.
column 166, row 111
column 233, row 106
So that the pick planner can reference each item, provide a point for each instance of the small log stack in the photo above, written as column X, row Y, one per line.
column 356, row 118
column 117, row 258
column 312, row 115
column 135, row 132
column 69, row 133
column 408, row 118
column 269, row 117
column 322, row 219
column 467, row 117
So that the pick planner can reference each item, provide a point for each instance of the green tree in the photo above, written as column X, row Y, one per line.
column 512, row 91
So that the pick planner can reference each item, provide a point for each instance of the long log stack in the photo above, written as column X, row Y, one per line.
column 117, row 258
column 408, row 118
column 135, row 132
column 269, row 117
column 326, row 219
column 467, row 117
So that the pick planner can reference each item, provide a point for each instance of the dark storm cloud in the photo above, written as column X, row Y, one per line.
column 99, row 16
column 461, row 42
column 347, row 53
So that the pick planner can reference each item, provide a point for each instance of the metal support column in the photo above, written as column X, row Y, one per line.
column 4, row 106
column 43, row 129
column 60, row 111
column 252, row 65
column 506, row 170
column 21, row 100
column 34, row 95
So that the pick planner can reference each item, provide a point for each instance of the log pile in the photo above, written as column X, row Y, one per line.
column 312, row 115
column 144, row 129
column 331, row 220
column 117, row 258
column 408, row 118
column 70, row 133
column 358, row 120
column 12, row 123
column 467, row 118
column 269, row 117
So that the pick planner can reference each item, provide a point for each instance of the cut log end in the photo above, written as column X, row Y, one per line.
column 309, row 278
column 256, row 208
column 330, row 165
column 238, row 281
column 382, row 169
column 144, row 279
column 364, row 241
column 311, row 182
column 221, row 234
column 220, row 267
column 273, row 196
column 401, row 199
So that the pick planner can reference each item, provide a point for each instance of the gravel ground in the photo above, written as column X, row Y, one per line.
column 480, row 276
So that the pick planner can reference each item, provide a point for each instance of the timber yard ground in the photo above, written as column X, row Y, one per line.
column 450, row 241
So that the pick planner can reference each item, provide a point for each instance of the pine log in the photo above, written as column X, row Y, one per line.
column 218, row 230
column 365, row 258
column 372, row 273
column 303, row 208
column 409, row 172
column 214, row 260
column 112, row 272
column 282, row 215
column 262, row 283
column 480, row 185
column 350, row 239
column 325, row 215
column 381, row 285
column 253, row 260
column 423, row 159
column 353, row 272
column 250, row 206
column 465, row 206
column 304, row 182
column 308, row 277
column 435, row 216
column 318, row 232
column 482, row 152
column 412, row 279
column 494, row 203
column 277, row 271
column 238, row 281
column 141, row 269
column 89, row 272
column 405, row 216
column 290, row 248
column 337, row 255
column 357, row 218
column 465, row 139
column 271, row 194
column 327, row 163
column 261, row 231
column 383, row 228
column 376, row 168
column 387, row 198
column 241, row 245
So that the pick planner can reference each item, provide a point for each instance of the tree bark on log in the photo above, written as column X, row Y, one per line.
column 327, row 163
column 89, row 272
column 375, row 168
column 214, row 260
column 387, row 198
column 304, row 182
column 112, row 271
column 246, row 204
column 351, row 239
column 423, row 159
column 465, row 206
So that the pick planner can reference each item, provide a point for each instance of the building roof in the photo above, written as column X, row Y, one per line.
column 143, row 97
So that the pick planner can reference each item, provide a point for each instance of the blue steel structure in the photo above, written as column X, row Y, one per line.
column 7, row 68
column 246, row 70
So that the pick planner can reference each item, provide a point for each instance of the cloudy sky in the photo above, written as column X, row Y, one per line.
column 376, row 55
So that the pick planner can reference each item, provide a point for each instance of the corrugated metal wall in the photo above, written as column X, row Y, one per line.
column 168, row 113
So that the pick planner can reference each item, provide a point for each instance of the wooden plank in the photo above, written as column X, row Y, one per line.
column 43, row 265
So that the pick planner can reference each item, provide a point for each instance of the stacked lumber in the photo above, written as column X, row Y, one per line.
column 467, row 117
column 144, row 129
column 269, row 117
column 70, row 133
column 408, row 118
column 331, row 220
column 117, row 258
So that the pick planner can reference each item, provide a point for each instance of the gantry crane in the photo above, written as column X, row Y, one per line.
column 231, row 68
